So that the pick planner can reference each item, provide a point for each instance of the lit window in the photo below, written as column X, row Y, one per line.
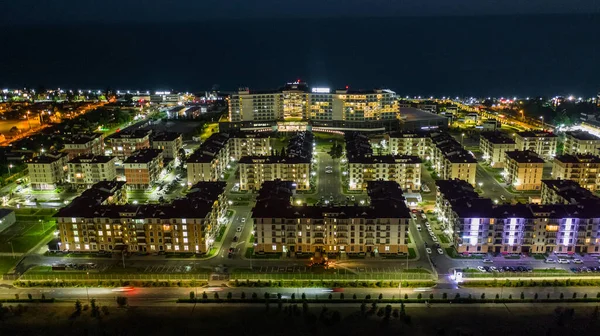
column 176, row 247
column 186, row 248
column 152, row 247
column 77, row 246
column 387, row 248
column 274, row 247
column 183, row 220
column 185, row 240
column 100, row 233
column 76, row 239
column 87, row 246
column 73, row 220
column 197, row 248
column 185, row 233
column 107, row 227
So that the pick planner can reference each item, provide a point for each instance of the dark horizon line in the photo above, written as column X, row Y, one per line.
column 288, row 17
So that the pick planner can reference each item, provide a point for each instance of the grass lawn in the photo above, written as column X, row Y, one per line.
column 6, row 263
column 250, row 250
column 443, row 239
column 539, row 256
column 221, row 233
column 549, row 270
column 24, row 235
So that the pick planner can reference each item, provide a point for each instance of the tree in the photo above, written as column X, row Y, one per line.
column 497, row 296
column 483, row 296
column 121, row 301
column 522, row 296
column 216, row 296
column 204, row 295
column 293, row 296
column 30, row 296
column 243, row 295
column 380, row 296
column 229, row 295
column 445, row 296
column 354, row 296
column 192, row 295
column 78, row 306
column 575, row 295
column 341, row 296
column 336, row 151
column 535, row 296
column 431, row 296
column 419, row 297
column 562, row 296
column 405, row 296
column 368, row 297
column 388, row 311
column 254, row 296
column 363, row 308
column 303, row 296
column 330, row 296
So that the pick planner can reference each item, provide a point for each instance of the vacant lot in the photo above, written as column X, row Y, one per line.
column 32, row 225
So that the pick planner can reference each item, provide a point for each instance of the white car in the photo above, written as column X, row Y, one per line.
column 493, row 269
column 440, row 251
column 550, row 261
column 434, row 238
column 488, row 261
column 419, row 228
column 481, row 269
column 502, row 197
column 563, row 261
column 243, row 220
column 428, row 250
column 577, row 261
column 423, row 216
column 239, row 229
column 427, row 224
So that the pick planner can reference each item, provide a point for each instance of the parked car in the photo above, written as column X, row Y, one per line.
column 487, row 261
column 428, row 250
column 243, row 220
column 419, row 228
column 577, row 261
column 481, row 269
column 238, row 229
column 440, row 251
column 564, row 261
column 550, row 261
column 427, row 224
column 434, row 238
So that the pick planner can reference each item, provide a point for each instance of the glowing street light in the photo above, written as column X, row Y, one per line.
column 462, row 139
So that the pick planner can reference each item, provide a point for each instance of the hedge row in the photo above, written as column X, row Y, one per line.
column 27, row 300
column 100, row 283
column 432, row 301
column 330, row 284
column 531, row 283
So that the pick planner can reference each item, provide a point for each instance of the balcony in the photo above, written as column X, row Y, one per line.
column 319, row 241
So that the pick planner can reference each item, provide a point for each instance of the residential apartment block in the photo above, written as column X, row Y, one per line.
column 123, row 144
column 87, row 170
column 297, row 101
column 523, row 170
column 408, row 143
column 581, row 168
column 47, row 171
column 477, row 225
column 294, row 166
column 363, row 166
column 450, row 160
column 143, row 168
column 493, row 145
column 188, row 225
column 210, row 160
column 249, row 144
column 541, row 142
column 581, row 142
column 566, row 192
column 380, row 227
column 169, row 142
column 84, row 144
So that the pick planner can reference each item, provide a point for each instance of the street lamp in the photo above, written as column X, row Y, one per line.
column 542, row 117
column 86, row 286
column 462, row 138
column 12, row 250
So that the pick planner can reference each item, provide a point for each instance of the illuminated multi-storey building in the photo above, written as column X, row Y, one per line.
column 48, row 171
column 581, row 142
column 408, row 143
column 541, row 142
column 380, row 227
column 493, row 145
column 98, row 221
column 86, row 170
column 523, row 170
column 477, row 225
column 83, row 144
column 581, row 168
column 344, row 108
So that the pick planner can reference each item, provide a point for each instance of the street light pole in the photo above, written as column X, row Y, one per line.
column 9, row 166
column 12, row 249
column 86, row 287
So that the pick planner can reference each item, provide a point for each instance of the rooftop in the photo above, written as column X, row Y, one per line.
column 80, row 139
column 578, row 158
column 497, row 138
column 536, row 134
column 91, row 158
column 582, row 135
column 136, row 134
column 390, row 159
column 412, row 114
column 47, row 158
column 406, row 134
column 525, row 156
column 143, row 156
column 166, row 136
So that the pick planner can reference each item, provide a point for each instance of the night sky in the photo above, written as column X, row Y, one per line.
column 72, row 11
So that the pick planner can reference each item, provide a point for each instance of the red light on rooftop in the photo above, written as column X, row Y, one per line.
column 346, row 87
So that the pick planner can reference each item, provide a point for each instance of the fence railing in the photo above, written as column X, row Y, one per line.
column 345, row 277
column 233, row 276
column 529, row 275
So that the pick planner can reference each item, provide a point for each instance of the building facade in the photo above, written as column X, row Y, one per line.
column 541, row 142
column 581, row 142
column 249, row 144
column 87, row 170
column 523, row 170
column 143, row 168
column 493, row 145
column 282, row 227
column 46, row 172
column 84, row 144
column 123, row 144
column 296, row 101
column 581, row 168
column 187, row 225
column 210, row 161
column 408, row 143
column 169, row 142
column 255, row 170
